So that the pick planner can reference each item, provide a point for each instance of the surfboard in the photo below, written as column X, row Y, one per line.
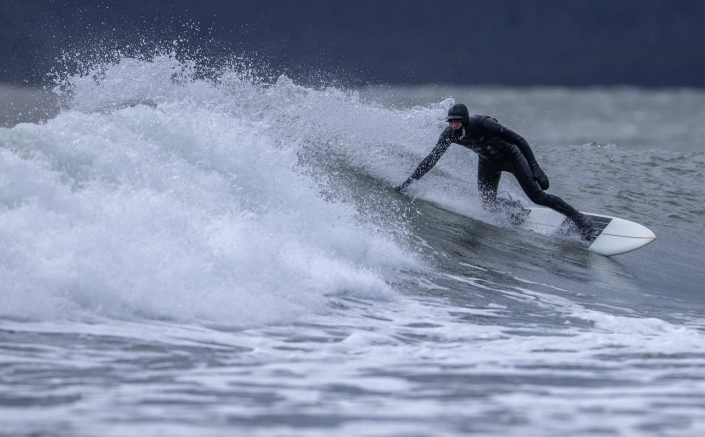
column 616, row 235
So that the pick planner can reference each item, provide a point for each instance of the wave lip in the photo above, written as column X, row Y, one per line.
column 149, row 197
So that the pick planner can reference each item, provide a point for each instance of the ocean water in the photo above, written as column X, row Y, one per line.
column 181, row 256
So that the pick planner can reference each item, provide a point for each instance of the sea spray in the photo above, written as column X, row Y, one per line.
column 182, row 256
column 154, row 197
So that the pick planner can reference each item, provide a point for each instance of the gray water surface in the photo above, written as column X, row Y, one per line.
column 232, row 259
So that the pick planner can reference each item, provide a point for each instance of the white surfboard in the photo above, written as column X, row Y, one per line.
column 616, row 235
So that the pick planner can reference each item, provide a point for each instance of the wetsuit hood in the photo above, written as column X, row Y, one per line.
column 459, row 111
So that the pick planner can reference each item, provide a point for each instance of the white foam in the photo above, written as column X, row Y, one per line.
column 152, row 198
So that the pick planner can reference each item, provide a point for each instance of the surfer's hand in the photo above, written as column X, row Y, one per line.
column 543, row 181
column 403, row 186
column 540, row 177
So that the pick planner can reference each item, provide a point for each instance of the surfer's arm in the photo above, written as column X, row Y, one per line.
column 428, row 162
column 495, row 129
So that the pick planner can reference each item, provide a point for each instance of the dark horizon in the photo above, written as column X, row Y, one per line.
column 647, row 43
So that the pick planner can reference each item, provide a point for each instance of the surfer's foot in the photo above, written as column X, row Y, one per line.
column 587, row 232
column 514, row 210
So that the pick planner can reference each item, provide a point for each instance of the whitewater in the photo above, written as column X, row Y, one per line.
column 182, row 255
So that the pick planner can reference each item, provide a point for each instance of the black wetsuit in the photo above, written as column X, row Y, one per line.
column 499, row 149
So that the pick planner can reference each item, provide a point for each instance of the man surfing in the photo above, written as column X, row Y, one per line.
column 499, row 149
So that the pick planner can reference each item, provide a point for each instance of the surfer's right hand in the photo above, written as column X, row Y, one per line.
column 403, row 186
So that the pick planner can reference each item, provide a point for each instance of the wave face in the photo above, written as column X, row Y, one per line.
column 155, row 195
column 185, row 256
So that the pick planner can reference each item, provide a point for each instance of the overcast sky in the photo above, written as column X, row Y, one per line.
column 652, row 43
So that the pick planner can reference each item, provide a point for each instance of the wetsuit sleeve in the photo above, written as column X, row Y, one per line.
column 494, row 129
column 428, row 162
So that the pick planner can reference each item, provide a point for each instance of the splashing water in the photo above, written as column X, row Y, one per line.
column 186, row 256
column 155, row 195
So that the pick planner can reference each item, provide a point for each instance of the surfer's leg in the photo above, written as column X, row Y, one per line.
column 488, row 177
column 520, row 169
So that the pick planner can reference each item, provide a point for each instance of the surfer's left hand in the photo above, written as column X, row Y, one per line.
column 540, row 177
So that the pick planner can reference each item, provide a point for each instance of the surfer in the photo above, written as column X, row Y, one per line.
column 499, row 149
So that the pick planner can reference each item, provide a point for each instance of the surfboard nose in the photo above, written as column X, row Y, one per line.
column 650, row 234
column 621, row 236
column 640, row 231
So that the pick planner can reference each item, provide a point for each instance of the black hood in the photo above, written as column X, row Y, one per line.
column 459, row 111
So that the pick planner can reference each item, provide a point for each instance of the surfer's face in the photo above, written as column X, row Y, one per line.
column 455, row 124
